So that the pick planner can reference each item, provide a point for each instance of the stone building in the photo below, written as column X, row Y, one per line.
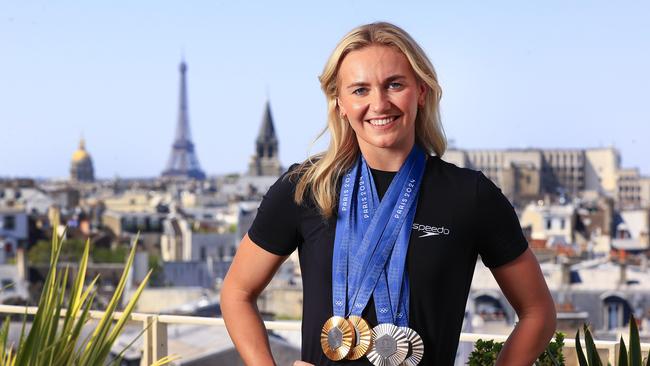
column 529, row 174
column 81, row 167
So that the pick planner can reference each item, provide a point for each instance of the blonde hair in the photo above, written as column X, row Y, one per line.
column 318, row 175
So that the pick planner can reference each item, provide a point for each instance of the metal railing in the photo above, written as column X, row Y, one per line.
column 155, row 332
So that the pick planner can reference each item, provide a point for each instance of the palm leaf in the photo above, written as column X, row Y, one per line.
column 592, row 351
column 622, row 354
column 54, row 336
column 635, row 344
column 581, row 355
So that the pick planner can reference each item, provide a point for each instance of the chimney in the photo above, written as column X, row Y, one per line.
column 21, row 263
column 622, row 261
column 566, row 270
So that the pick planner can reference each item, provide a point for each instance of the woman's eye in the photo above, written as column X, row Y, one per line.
column 394, row 85
column 359, row 91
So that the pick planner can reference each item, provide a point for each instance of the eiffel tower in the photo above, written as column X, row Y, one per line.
column 183, row 162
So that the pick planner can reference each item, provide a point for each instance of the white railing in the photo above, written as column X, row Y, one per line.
column 155, row 332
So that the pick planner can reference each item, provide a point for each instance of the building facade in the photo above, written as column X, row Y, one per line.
column 529, row 174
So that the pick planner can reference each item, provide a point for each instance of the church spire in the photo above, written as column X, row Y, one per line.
column 266, row 134
column 183, row 162
column 265, row 161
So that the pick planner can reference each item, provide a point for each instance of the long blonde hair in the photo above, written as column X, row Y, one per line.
column 318, row 175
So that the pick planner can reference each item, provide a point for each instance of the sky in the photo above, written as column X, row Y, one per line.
column 514, row 74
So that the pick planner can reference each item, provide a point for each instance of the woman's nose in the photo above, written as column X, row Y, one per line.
column 379, row 102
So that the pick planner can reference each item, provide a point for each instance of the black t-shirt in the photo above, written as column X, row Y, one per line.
column 460, row 214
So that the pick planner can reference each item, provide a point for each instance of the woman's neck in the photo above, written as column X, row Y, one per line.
column 386, row 159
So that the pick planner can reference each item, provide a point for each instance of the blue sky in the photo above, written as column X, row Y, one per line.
column 514, row 74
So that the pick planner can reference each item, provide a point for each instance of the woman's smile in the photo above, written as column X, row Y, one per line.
column 382, row 122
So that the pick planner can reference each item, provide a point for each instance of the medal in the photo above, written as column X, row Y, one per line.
column 416, row 347
column 369, row 253
column 336, row 338
column 389, row 347
column 363, row 336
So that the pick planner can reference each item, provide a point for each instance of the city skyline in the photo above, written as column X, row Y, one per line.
column 558, row 76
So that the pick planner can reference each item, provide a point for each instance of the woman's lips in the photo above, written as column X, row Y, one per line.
column 382, row 123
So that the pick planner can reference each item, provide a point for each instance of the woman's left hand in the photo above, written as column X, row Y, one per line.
column 302, row 363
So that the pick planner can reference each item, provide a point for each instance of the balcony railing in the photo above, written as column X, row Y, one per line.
column 155, row 333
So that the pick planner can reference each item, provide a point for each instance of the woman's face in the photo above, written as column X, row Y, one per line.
column 379, row 95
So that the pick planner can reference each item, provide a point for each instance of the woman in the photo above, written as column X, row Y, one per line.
column 387, row 232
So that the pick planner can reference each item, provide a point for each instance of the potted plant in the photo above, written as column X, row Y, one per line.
column 54, row 338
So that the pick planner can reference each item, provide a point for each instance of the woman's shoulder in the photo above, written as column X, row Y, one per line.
column 444, row 168
column 288, row 181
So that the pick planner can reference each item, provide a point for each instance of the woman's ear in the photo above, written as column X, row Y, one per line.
column 340, row 108
column 422, row 95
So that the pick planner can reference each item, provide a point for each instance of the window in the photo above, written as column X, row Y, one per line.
column 9, row 222
column 548, row 224
column 561, row 223
column 616, row 312
column 7, row 285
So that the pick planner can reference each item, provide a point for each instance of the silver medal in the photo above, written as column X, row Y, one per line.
column 416, row 347
column 389, row 345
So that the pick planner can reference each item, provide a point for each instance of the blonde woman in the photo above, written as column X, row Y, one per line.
column 388, row 234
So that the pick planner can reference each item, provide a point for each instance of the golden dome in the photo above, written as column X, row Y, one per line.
column 81, row 154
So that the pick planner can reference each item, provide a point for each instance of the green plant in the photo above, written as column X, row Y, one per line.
column 54, row 337
column 552, row 355
column 71, row 250
column 486, row 352
column 626, row 357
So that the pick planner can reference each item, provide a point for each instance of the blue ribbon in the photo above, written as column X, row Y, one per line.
column 372, row 240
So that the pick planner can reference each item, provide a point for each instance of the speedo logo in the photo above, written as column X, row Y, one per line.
column 427, row 230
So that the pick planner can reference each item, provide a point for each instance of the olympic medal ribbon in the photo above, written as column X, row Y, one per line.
column 337, row 335
column 373, row 229
column 415, row 344
column 382, row 232
column 375, row 248
column 390, row 344
column 342, row 241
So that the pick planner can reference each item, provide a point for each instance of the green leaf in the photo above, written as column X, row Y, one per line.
column 622, row 354
column 635, row 344
column 592, row 351
column 581, row 355
column 54, row 338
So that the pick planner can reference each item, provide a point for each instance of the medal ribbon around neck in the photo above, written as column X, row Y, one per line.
column 374, row 228
column 382, row 235
column 399, row 295
column 366, row 233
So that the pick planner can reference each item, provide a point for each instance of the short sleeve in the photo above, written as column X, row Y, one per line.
column 499, row 235
column 275, row 227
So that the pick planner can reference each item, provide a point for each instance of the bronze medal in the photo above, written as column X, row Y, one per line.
column 389, row 345
column 363, row 336
column 416, row 347
column 337, row 338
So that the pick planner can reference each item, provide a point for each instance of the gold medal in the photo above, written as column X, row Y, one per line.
column 337, row 338
column 416, row 347
column 363, row 336
column 389, row 346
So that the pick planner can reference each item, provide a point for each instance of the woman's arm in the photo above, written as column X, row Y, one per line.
column 250, row 272
column 523, row 285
